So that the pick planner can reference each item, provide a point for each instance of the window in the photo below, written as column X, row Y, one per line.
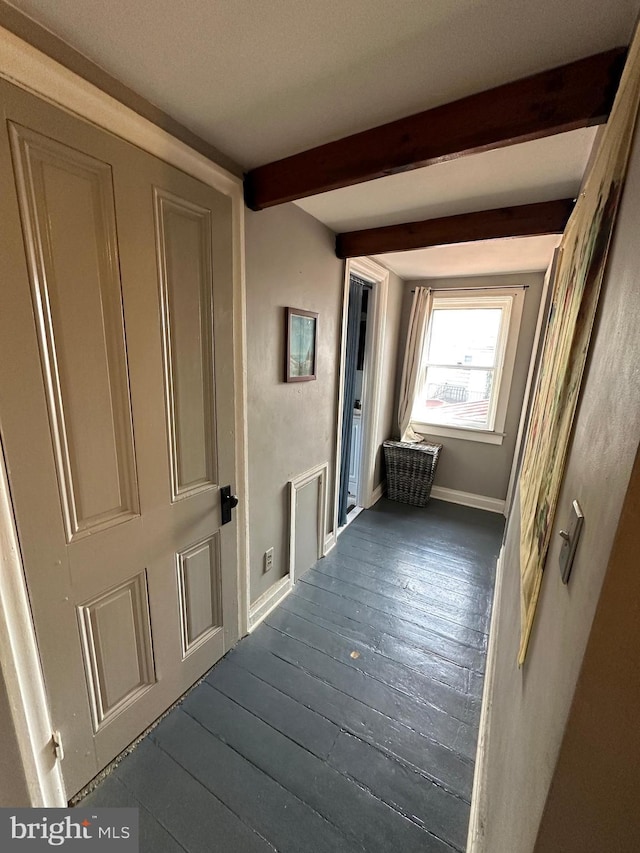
column 467, row 364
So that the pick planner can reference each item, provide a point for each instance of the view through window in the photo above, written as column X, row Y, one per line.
column 462, row 361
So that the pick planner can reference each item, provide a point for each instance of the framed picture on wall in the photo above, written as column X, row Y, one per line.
column 302, row 334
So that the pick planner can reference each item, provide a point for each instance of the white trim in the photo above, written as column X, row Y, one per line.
column 20, row 667
column 479, row 435
column 543, row 313
column 321, row 474
column 378, row 276
column 373, row 360
column 27, row 67
column 330, row 542
column 453, row 496
column 378, row 492
column 475, row 839
column 241, row 413
column 268, row 601
column 511, row 301
column 353, row 514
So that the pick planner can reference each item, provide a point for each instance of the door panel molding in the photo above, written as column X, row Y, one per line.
column 199, row 593
column 33, row 71
column 96, row 490
column 117, row 648
column 187, row 336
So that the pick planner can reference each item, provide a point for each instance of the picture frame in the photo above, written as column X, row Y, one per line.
column 301, row 348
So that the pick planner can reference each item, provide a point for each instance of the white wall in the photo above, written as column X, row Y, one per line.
column 530, row 706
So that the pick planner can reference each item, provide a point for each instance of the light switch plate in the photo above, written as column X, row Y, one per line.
column 570, row 536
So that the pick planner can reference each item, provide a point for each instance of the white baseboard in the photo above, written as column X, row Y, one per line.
column 477, row 818
column 378, row 492
column 468, row 499
column 330, row 542
column 270, row 599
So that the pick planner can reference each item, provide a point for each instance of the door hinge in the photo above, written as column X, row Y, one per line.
column 56, row 742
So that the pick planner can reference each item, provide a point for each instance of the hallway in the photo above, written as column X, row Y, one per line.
column 348, row 720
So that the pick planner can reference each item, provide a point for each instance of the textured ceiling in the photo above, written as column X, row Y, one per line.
column 262, row 79
column 487, row 257
column 520, row 174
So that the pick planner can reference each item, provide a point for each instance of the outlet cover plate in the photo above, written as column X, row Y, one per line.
column 268, row 560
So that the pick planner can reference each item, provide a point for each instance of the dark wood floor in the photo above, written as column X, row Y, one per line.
column 348, row 720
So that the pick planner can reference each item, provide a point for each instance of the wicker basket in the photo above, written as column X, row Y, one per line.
column 411, row 468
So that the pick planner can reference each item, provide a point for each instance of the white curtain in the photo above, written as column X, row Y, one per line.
column 418, row 322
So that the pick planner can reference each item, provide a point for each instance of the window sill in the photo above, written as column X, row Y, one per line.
column 479, row 435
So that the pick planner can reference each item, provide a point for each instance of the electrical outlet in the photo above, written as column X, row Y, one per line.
column 268, row 560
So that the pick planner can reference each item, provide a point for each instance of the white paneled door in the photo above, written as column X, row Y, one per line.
column 117, row 419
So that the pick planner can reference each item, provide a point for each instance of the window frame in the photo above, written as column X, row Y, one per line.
column 511, row 301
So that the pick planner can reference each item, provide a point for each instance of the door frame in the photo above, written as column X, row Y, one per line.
column 30, row 69
column 378, row 276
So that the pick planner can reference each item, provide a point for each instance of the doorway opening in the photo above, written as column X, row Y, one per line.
column 355, row 398
column 358, row 437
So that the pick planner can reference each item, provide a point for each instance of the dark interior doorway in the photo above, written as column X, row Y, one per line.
column 355, row 393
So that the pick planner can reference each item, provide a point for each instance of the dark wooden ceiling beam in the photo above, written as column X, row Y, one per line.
column 566, row 98
column 526, row 220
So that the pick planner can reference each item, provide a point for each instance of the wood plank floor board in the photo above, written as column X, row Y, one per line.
column 466, row 546
column 411, row 633
column 432, row 580
column 364, row 819
column 347, row 721
column 436, row 567
column 468, row 536
column 263, row 804
column 460, row 705
column 450, row 558
column 302, row 725
column 450, row 555
column 404, row 788
column 460, row 677
column 404, row 609
column 421, row 660
column 470, row 616
column 153, row 836
column 440, row 558
column 441, row 763
column 340, row 623
column 421, row 716
column 198, row 820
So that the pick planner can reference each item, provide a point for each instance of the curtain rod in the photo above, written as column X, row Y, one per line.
column 495, row 287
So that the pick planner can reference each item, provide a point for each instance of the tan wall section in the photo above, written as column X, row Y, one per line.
column 292, row 426
column 593, row 801
column 530, row 706
column 471, row 466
